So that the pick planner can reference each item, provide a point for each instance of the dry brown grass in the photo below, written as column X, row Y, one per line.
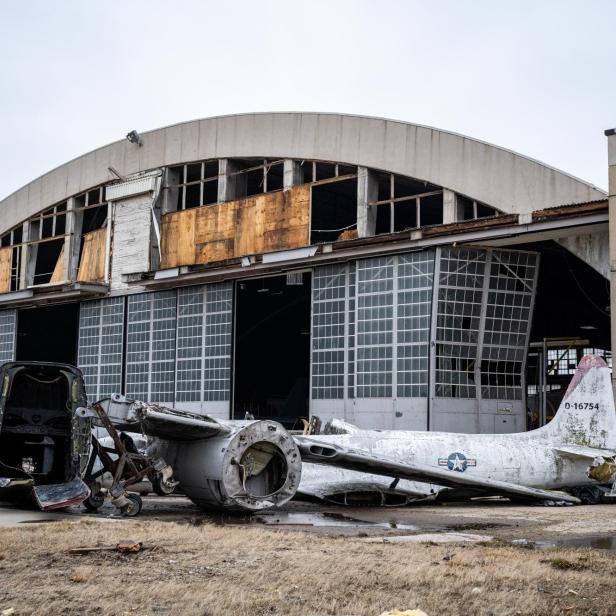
column 252, row 571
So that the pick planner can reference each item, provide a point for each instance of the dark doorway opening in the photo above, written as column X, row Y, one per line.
column 272, row 348
column 571, row 318
column 48, row 334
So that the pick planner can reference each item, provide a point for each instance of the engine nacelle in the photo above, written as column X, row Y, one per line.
column 254, row 466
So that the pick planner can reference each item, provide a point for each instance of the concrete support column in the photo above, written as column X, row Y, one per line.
column 292, row 174
column 32, row 232
column 611, row 158
column 450, row 206
column 367, row 192
column 74, row 226
column 23, row 268
column 68, row 272
column 229, row 187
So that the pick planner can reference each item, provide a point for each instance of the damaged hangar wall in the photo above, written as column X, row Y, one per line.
column 434, row 339
column 507, row 181
column 404, row 341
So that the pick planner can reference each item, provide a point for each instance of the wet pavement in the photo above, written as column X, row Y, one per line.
column 526, row 526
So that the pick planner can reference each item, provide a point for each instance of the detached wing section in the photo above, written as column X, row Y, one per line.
column 352, row 459
column 154, row 420
column 579, row 451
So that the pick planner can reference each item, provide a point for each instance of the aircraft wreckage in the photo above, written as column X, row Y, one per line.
column 47, row 448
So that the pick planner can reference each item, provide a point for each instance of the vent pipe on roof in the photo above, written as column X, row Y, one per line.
column 611, row 161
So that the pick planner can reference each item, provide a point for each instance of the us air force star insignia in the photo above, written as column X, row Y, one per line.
column 457, row 462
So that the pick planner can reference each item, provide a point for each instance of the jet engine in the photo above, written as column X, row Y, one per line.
column 229, row 465
column 254, row 466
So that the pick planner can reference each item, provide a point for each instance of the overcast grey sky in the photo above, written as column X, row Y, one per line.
column 538, row 77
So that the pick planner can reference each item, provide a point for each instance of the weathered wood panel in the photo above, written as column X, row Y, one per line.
column 254, row 225
column 92, row 262
column 6, row 255
column 58, row 270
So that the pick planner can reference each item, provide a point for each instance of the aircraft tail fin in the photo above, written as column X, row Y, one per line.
column 586, row 415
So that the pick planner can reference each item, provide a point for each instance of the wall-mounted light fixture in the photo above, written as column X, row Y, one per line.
column 133, row 137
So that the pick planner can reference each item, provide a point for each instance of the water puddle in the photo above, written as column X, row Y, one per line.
column 597, row 542
column 308, row 519
column 327, row 519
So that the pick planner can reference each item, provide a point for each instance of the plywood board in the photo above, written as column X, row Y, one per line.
column 6, row 256
column 92, row 262
column 177, row 239
column 58, row 270
column 254, row 225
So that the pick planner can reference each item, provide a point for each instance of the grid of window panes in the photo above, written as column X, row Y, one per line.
column 189, row 363
column 374, row 321
column 607, row 355
column 562, row 361
column 8, row 321
column 415, row 274
column 329, row 285
column 351, row 336
column 150, row 346
column 100, row 346
column 218, row 341
column 460, row 287
column 507, row 323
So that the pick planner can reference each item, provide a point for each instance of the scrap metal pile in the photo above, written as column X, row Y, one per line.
column 257, row 464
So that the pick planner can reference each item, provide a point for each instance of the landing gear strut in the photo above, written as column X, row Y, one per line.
column 127, row 467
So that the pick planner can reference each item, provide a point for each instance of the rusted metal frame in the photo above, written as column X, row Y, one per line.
column 263, row 166
column 193, row 183
column 15, row 269
column 46, row 239
column 407, row 198
column 125, row 458
column 483, row 310
column 339, row 178
column 570, row 210
column 11, row 233
column 392, row 195
column 513, row 273
column 90, row 207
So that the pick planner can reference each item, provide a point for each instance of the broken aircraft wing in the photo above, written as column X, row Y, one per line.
column 162, row 422
column 332, row 454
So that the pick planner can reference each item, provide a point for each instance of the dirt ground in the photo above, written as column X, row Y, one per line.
column 293, row 563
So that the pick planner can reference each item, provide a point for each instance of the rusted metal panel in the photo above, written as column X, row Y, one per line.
column 60, row 495
column 6, row 255
column 573, row 209
column 92, row 262
column 254, row 225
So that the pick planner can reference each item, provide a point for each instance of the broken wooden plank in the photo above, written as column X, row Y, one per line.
column 253, row 225
column 126, row 546
column 92, row 262
column 58, row 270
column 6, row 257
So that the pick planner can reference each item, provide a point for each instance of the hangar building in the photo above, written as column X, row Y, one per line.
column 292, row 264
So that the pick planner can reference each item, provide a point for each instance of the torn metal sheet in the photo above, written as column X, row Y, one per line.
column 61, row 495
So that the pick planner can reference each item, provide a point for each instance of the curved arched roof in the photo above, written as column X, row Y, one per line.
column 490, row 174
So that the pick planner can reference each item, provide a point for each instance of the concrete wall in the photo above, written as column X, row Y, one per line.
column 492, row 175
column 592, row 248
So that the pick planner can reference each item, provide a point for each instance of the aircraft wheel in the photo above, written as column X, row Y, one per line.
column 94, row 502
column 161, row 487
column 134, row 507
column 590, row 495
